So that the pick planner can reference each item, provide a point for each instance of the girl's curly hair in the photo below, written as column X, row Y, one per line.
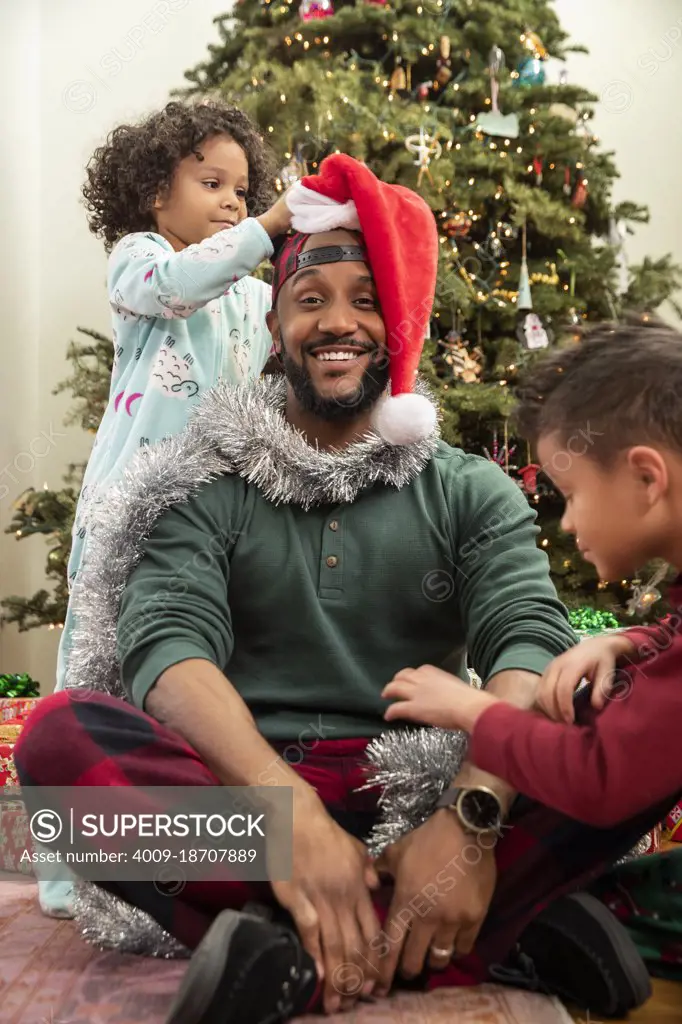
column 137, row 162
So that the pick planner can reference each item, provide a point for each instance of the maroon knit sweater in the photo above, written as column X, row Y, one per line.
column 613, row 763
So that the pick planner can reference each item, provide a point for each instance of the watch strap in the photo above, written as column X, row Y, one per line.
column 449, row 797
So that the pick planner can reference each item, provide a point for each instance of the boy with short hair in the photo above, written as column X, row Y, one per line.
column 606, row 418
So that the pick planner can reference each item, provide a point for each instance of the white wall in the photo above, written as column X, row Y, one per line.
column 635, row 67
column 72, row 69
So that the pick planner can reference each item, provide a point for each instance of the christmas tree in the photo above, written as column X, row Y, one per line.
column 468, row 102
column 51, row 513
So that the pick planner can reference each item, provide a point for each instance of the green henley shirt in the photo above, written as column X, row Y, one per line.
column 310, row 613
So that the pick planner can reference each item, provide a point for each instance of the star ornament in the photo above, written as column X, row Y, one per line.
column 427, row 148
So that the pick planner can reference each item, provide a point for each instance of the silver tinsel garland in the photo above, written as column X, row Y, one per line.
column 110, row 923
column 413, row 767
column 234, row 430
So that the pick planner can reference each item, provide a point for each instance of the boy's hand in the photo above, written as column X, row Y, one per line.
column 430, row 695
column 593, row 659
column 277, row 220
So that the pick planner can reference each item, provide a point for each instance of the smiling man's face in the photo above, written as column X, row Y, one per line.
column 330, row 332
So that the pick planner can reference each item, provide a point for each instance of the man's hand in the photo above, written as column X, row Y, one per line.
column 444, row 882
column 594, row 659
column 328, row 897
column 430, row 695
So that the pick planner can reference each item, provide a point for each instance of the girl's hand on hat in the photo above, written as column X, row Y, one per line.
column 277, row 220
column 593, row 659
column 434, row 697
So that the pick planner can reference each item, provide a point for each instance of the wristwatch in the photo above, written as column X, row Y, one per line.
column 477, row 807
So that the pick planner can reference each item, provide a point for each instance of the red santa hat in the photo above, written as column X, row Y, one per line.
column 401, row 242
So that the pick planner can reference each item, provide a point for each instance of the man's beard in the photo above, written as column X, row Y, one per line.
column 341, row 408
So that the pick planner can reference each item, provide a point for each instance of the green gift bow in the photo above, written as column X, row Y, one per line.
column 592, row 620
column 18, row 686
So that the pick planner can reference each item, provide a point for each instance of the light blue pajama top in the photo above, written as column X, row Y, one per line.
column 182, row 321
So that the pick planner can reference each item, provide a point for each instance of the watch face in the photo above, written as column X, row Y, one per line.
column 480, row 809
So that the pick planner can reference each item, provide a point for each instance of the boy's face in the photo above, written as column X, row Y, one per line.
column 620, row 514
column 205, row 196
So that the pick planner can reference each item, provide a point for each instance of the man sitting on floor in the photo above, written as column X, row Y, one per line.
column 303, row 541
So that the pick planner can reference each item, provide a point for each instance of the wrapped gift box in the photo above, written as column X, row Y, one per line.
column 9, row 731
column 672, row 826
column 12, row 708
column 8, row 771
column 15, row 838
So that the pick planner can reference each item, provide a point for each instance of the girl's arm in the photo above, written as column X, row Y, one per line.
column 147, row 278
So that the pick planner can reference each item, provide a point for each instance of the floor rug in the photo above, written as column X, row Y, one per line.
column 48, row 975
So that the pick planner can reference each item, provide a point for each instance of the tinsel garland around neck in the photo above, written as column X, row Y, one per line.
column 247, row 425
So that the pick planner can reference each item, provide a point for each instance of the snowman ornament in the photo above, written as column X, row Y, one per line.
column 532, row 333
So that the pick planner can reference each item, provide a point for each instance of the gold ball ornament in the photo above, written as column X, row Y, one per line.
column 531, row 41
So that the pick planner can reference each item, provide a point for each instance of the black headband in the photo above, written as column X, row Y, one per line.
column 331, row 254
column 290, row 258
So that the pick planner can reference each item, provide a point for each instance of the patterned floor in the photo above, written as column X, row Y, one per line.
column 48, row 975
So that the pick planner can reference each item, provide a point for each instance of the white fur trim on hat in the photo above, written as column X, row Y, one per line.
column 313, row 212
column 404, row 419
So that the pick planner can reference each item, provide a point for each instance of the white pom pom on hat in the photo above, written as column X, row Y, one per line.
column 401, row 241
column 404, row 419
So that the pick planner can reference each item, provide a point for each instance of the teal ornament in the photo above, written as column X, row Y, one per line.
column 503, row 125
column 531, row 71
column 524, row 300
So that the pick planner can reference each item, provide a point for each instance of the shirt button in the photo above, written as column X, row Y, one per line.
column 334, row 525
column 332, row 561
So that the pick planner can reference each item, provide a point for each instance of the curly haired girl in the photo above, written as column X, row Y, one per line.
column 182, row 201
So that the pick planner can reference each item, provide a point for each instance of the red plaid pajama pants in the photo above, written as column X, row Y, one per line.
column 103, row 741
